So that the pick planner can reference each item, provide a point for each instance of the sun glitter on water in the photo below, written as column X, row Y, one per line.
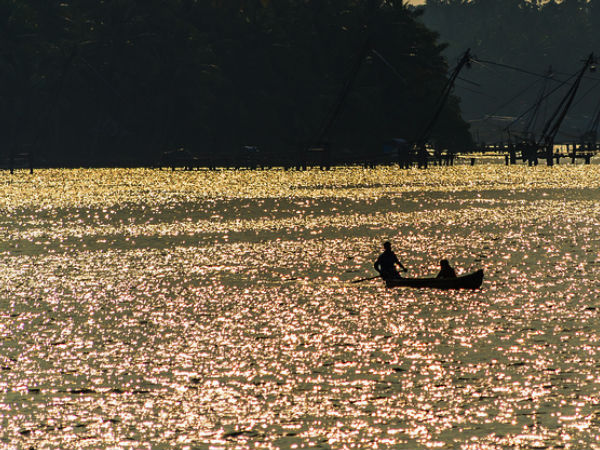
column 151, row 309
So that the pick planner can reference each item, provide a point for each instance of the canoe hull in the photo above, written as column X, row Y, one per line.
column 469, row 281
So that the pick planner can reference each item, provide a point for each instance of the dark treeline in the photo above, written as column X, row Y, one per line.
column 101, row 81
column 530, row 35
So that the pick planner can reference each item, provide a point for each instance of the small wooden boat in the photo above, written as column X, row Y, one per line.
column 469, row 281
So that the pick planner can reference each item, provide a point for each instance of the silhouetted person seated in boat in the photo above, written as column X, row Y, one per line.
column 446, row 270
column 386, row 263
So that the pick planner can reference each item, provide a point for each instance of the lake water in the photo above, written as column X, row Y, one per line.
column 144, row 309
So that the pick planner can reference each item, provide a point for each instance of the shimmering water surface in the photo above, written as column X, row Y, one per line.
column 155, row 310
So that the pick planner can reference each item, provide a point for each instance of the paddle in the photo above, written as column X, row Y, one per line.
column 366, row 279
column 372, row 278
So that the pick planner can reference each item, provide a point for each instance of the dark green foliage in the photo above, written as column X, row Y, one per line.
column 100, row 81
column 531, row 35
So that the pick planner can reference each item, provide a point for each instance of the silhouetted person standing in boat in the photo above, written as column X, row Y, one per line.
column 446, row 270
column 386, row 263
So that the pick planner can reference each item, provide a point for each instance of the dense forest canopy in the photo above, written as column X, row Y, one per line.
column 532, row 36
column 94, row 81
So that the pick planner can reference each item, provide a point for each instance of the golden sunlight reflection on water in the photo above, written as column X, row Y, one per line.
column 148, row 309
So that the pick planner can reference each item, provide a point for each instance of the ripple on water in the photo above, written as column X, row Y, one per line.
column 147, row 309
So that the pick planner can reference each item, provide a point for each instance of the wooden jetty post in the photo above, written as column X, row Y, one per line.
column 26, row 158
